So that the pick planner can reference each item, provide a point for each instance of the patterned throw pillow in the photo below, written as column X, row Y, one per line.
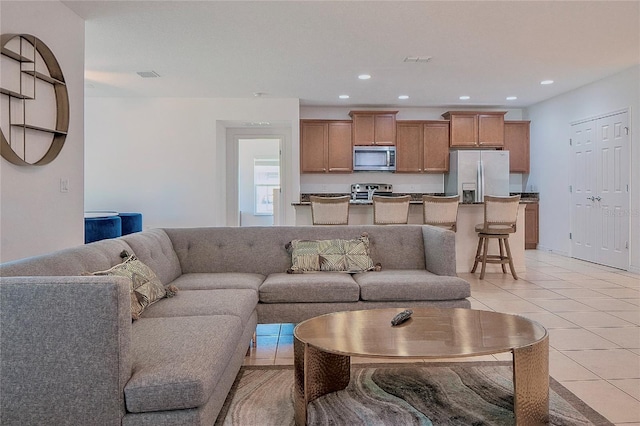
column 330, row 255
column 146, row 287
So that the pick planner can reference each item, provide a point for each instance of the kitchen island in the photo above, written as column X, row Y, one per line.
column 469, row 215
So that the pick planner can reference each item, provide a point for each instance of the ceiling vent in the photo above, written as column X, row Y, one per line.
column 148, row 74
column 422, row 59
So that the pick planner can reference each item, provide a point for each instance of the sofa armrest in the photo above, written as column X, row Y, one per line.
column 439, row 250
column 65, row 345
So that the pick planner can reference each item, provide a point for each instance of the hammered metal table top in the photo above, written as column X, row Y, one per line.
column 430, row 333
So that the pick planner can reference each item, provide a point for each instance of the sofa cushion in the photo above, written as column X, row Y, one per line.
column 177, row 361
column 241, row 303
column 330, row 255
column 392, row 285
column 312, row 287
column 222, row 280
column 154, row 248
column 73, row 261
column 146, row 287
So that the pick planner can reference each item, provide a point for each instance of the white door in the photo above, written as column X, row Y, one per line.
column 600, row 190
column 583, row 189
column 613, row 190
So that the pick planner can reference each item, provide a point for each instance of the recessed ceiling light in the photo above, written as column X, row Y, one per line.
column 545, row 82
column 512, row 98
column 364, row 76
column 465, row 98
column 403, row 97
column 344, row 96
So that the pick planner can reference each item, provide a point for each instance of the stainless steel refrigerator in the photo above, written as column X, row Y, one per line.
column 476, row 173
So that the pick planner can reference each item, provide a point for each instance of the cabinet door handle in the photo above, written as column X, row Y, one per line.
column 598, row 199
column 591, row 198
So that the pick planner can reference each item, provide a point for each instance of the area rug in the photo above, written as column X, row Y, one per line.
column 463, row 393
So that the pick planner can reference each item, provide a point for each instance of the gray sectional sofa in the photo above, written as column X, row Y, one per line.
column 71, row 355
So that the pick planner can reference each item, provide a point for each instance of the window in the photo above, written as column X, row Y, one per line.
column 266, row 178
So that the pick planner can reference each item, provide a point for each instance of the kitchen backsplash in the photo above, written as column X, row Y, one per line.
column 325, row 183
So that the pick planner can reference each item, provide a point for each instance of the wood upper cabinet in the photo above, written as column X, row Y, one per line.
column 422, row 147
column 474, row 129
column 516, row 141
column 325, row 146
column 409, row 147
column 374, row 127
column 436, row 147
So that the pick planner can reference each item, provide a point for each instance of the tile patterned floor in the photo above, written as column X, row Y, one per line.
column 592, row 313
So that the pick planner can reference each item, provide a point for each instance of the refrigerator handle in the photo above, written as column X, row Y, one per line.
column 480, row 191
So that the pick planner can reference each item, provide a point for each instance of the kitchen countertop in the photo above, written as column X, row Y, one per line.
column 416, row 198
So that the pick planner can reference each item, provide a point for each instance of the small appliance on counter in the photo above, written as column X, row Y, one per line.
column 374, row 158
column 363, row 192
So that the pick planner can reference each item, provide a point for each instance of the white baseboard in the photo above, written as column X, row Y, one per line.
column 550, row 250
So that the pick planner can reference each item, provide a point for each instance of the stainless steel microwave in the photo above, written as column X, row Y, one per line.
column 374, row 158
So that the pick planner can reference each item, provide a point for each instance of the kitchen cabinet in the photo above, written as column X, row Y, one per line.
column 422, row 147
column 476, row 129
column 531, row 226
column 325, row 146
column 516, row 141
column 374, row 127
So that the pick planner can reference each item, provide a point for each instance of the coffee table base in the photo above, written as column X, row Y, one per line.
column 318, row 373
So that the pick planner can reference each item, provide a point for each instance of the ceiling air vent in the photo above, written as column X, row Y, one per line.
column 148, row 74
column 418, row 59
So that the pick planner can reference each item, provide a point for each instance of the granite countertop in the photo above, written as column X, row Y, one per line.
column 416, row 198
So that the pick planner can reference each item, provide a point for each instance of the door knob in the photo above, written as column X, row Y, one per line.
column 591, row 198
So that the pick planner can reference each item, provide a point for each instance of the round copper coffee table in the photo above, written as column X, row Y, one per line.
column 324, row 345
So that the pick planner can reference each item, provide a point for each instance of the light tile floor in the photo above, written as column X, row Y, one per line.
column 592, row 313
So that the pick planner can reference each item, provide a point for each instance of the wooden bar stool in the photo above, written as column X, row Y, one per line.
column 391, row 210
column 500, row 214
column 330, row 210
column 440, row 211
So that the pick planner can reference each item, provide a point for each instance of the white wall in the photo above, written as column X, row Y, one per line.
column 166, row 157
column 550, row 132
column 35, row 217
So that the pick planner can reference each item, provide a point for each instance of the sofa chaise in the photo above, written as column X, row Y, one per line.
column 71, row 354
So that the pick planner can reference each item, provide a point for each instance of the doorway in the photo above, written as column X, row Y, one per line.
column 600, row 203
column 258, row 180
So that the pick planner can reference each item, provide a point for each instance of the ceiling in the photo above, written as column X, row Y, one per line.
column 315, row 50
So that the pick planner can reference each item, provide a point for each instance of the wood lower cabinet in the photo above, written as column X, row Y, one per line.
column 325, row 146
column 422, row 147
column 531, row 226
column 374, row 127
column 475, row 129
column 516, row 141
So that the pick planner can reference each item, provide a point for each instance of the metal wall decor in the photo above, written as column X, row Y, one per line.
column 32, row 86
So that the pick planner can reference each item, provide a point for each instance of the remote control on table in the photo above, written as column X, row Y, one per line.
column 401, row 317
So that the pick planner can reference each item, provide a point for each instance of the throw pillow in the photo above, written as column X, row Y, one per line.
column 330, row 255
column 146, row 287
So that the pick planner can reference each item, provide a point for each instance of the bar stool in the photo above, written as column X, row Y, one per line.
column 391, row 210
column 330, row 210
column 500, row 214
column 440, row 211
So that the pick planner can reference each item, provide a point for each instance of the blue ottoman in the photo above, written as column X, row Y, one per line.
column 101, row 228
column 131, row 222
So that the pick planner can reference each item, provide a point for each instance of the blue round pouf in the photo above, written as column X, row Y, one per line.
column 131, row 222
column 101, row 228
